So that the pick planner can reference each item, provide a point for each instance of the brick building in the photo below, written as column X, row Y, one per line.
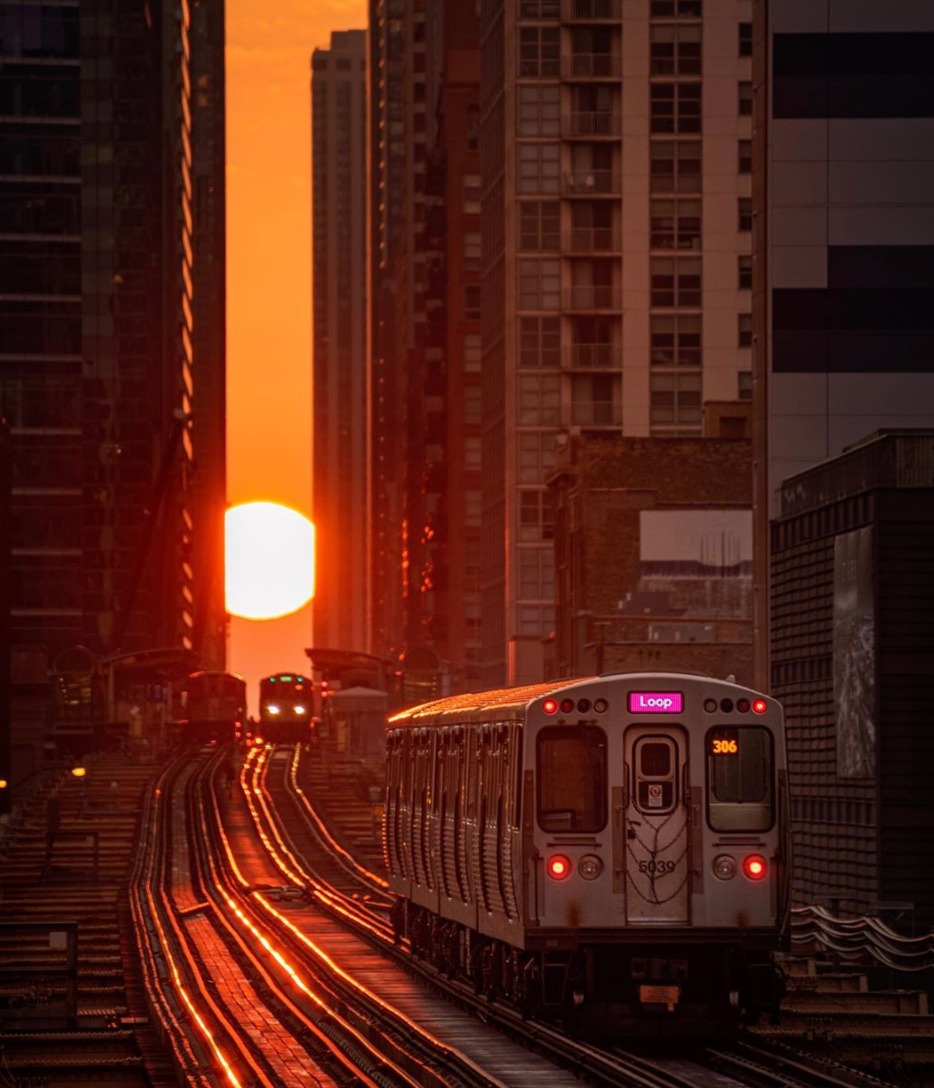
column 653, row 554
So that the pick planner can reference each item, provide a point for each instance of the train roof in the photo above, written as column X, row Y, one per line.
column 516, row 699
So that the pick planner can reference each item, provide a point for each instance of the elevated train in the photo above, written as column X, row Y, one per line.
column 213, row 707
column 286, row 708
column 612, row 852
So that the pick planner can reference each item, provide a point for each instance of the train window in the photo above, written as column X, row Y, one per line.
column 656, row 763
column 739, row 779
column 572, row 778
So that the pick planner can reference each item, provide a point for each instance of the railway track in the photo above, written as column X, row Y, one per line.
column 246, row 973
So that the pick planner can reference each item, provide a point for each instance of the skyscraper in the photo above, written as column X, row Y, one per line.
column 616, row 170
column 844, row 236
column 103, row 214
column 339, row 475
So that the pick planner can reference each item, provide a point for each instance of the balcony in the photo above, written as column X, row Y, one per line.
column 591, row 183
column 590, row 297
column 592, row 357
column 591, row 123
column 591, row 11
column 592, row 66
column 596, row 413
column 592, row 240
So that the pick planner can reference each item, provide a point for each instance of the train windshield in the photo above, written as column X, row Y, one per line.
column 739, row 779
column 572, row 778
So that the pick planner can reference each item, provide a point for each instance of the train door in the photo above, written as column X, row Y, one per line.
column 655, row 826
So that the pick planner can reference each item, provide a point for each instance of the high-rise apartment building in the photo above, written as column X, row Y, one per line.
column 339, row 363
column 111, row 236
column 844, row 239
column 616, row 171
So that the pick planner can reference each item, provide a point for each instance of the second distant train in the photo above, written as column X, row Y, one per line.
column 286, row 708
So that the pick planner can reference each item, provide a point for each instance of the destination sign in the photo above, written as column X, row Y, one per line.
column 656, row 702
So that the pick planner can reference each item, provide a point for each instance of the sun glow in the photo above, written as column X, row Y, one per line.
column 269, row 560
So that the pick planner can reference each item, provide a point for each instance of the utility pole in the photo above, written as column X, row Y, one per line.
column 6, row 513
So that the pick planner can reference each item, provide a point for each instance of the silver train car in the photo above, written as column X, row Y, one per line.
column 612, row 852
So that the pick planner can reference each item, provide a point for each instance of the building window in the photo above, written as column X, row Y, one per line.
column 539, row 400
column 536, row 520
column 745, row 39
column 472, row 302
column 536, row 620
column 538, row 109
column 539, row 222
column 744, row 330
column 539, row 284
column 675, row 49
column 473, row 461
column 472, row 251
column 594, row 400
column 675, row 399
column 675, row 224
column 473, row 412
column 675, row 166
column 539, row 9
column 676, row 281
column 744, row 157
column 744, row 270
column 539, row 342
column 744, row 213
column 536, row 456
column 671, row 9
column 744, row 99
column 538, row 51
column 675, row 107
column 744, row 385
column 473, row 353
column 472, row 194
column 539, row 167
column 536, row 574
column 473, row 507
column 675, row 340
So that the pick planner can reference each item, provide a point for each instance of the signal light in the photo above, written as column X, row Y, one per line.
column 742, row 705
column 759, row 706
column 567, row 705
column 559, row 867
column 550, row 706
column 755, row 867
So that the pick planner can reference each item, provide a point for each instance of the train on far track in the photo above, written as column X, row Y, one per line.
column 286, row 708
column 213, row 707
column 611, row 852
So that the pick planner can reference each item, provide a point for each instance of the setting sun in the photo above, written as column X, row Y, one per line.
column 269, row 560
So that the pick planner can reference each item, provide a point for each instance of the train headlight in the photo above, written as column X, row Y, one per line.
column 299, row 709
column 755, row 867
column 724, row 867
column 590, row 866
column 558, row 867
column 271, row 708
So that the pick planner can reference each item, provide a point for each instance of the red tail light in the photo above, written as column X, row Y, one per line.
column 558, row 867
column 755, row 867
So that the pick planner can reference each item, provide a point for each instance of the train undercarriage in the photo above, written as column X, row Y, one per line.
column 625, row 988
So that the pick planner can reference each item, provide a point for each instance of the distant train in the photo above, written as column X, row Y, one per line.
column 213, row 705
column 286, row 708
column 612, row 851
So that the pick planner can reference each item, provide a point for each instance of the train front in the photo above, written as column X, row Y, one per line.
column 657, row 866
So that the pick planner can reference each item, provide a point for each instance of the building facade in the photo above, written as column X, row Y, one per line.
column 844, row 237
column 105, row 232
column 339, row 361
column 616, row 239
column 653, row 556
column 852, row 630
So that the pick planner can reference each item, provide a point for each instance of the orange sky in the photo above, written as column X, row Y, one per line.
column 269, row 280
